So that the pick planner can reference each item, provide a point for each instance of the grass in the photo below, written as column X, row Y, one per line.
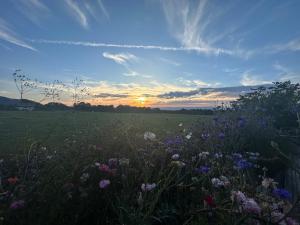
column 19, row 129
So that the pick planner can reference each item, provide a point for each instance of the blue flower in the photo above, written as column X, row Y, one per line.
column 282, row 193
column 221, row 135
column 202, row 169
column 243, row 164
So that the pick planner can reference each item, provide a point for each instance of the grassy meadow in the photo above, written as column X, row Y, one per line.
column 19, row 129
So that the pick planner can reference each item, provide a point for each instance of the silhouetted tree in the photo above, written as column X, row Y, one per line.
column 79, row 90
column 23, row 83
column 53, row 90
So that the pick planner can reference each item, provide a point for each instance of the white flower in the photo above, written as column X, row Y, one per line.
column 148, row 187
column 124, row 162
column 216, row 182
column 180, row 125
column 97, row 164
column 268, row 182
column 149, row 136
column 175, row 157
column 189, row 135
column 203, row 155
column 84, row 177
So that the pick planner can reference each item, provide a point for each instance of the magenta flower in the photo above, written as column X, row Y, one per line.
column 17, row 204
column 104, row 168
column 104, row 184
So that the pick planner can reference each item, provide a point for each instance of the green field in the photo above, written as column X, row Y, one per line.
column 20, row 129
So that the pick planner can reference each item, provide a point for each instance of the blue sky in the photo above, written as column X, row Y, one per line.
column 138, row 52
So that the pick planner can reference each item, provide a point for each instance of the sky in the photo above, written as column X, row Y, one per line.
column 157, row 53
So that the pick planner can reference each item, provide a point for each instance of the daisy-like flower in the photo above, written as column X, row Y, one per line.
column 203, row 155
column 189, row 135
column 104, row 184
column 124, row 162
column 149, row 136
column 175, row 157
column 268, row 182
column 216, row 182
column 180, row 125
column 148, row 187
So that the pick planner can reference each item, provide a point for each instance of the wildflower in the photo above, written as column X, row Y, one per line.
column 175, row 156
column 180, row 125
column 250, row 206
column 178, row 163
column 97, row 164
column 12, row 180
column 17, row 204
column 205, row 136
column 104, row 184
column 202, row 169
column 104, row 168
column 282, row 193
column 221, row 135
column 243, row 164
column 268, row 182
column 148, row 187
column 238, row 196
column 112, row 162
column 84, row 177
column 189, row 135
column 225, row 180
column 124, row 162
column 216, row 182
column 237, row 156
column 203, row 155
column 208, row 200
column 149, row 136
column 218, row 155
column 49, row 157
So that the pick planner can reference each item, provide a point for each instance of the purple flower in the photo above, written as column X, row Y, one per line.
column 202, row 169
column 17, row 204
column 221, row 135
column 113, row 162
column 243, row 164
column 205, row 136
column 104, row 184
column 282, row 193
column 148, row 187
column 250, row 206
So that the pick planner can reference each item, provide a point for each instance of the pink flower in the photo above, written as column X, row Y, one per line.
column 251, row 206
column 238, row 196
column 104, row 168
column 17, row 204
column 104, row 184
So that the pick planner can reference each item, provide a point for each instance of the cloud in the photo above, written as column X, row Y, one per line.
column 251, row 79
column 78, row 13
column 109, row 95
column 83, row 10
column 10, row 36
column 188, row 23
column 34, row 10
column 192, row 83
column 132, row 73
column 232, row 92
column 169, row 61
column 286, row 74
column 120, row 58
column 293, row 45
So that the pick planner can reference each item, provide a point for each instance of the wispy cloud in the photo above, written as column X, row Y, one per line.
column 84, row 10
column 286, row 73
column 169, row 61
column 248, row 79
column 132, row 73
column 7, row 34
column 293, row 45
column 188, row 23
column 109, row 95
column 120, row 58
column 34, row 10
column 78, row 13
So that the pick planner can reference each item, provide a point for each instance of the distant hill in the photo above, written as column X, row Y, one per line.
column 14, row 102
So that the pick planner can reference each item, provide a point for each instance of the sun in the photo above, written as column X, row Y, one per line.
column 141, row 100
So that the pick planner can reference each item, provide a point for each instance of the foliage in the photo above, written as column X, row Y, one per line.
column 281, row 102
